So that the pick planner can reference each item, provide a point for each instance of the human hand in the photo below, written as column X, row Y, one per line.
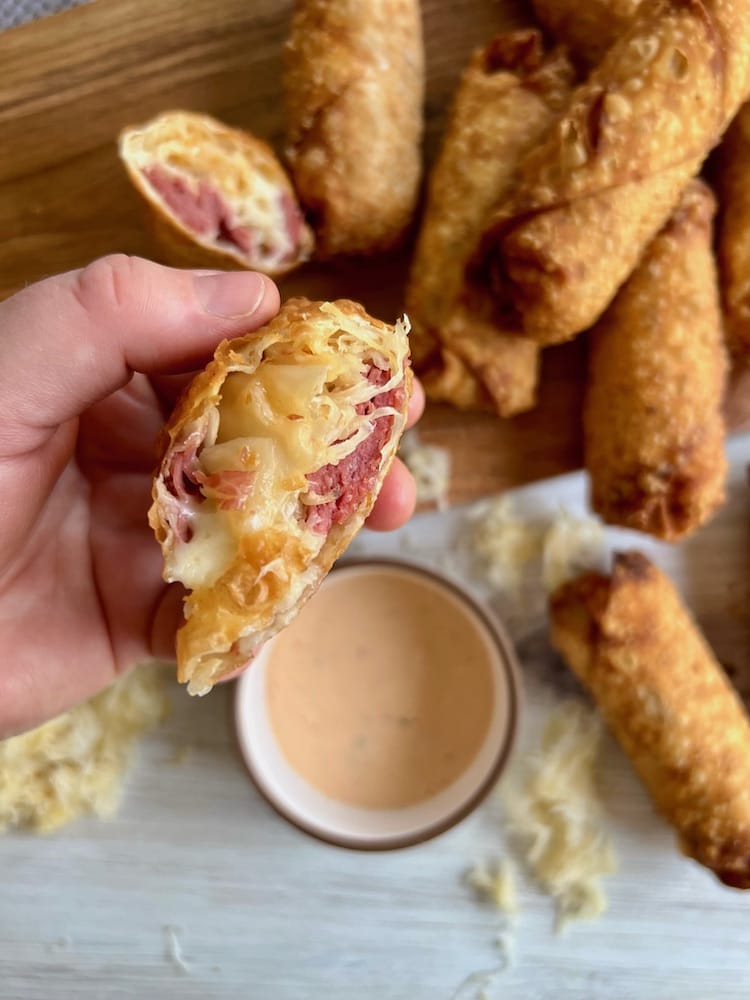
column 88, row 373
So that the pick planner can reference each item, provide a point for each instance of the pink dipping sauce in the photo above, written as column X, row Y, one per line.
column 380, row 693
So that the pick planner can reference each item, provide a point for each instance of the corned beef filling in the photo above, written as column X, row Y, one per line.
column 205, row 212
column 228, row 489
column 181, row 481
column 354, row 476
column 350, row 480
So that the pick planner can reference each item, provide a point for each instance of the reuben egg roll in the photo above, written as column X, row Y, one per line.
column 354, row 86
column 598, row 188
column 271, row 462
column 654, row 431
column 590, row 27
column 217, row 195
column 631, row 641
column 483, row 366
column 733, row 182
column 505, row 100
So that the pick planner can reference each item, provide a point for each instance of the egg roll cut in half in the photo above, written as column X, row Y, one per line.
column 505, row 101
column 272, row 460
column 353, row 95
column 588, row 28
column 733, row 245
column 631, row 641
column 605, row 179
column 653, row 424
column 217, row 196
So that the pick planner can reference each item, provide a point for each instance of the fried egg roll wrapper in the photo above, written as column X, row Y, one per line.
column 216, row 196
column 354, row 89
column 597, row 189
column 505, row 101
column 733, row 184
column 653, row 424
column 588, row 28
column 629, row 638
column 271, row 462
column 483, row 367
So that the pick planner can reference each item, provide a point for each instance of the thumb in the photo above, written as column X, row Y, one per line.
column 71, row 340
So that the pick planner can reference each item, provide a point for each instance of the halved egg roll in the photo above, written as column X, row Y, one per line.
column 217, row 196
column 588, row 28
column 271, row 462
column 598, row 188
column 632, row 642
column 354, row 88
column 653, row 425
column 505, row 101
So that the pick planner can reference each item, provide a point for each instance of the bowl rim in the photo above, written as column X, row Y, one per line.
column 511, row 666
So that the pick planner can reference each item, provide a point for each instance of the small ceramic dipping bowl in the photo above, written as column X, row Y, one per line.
column 384, row 713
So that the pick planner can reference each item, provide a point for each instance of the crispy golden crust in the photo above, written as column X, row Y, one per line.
column 354, row 87
column 733, row 183
column 505, row 101
column 588, row 28
column 632, row 642
column 242, row 168
column 593, row 194
column 482, row 367
column 246, row 602
column 654, row 432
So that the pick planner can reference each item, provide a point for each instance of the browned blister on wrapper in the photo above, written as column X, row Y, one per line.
column 506, row 99
column 733, row 185
column 632, row 642
column 354, row 87
column 593, row 194
column 588, row 27
column 654, row 431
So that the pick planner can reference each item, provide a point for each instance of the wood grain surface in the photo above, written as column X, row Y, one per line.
column 70, row 82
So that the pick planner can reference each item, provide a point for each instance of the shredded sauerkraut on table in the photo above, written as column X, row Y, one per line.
column 75, row 764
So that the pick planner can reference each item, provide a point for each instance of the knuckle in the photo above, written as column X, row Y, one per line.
column 106, row 284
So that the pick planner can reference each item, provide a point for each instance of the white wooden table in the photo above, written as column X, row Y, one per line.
column 262, row 912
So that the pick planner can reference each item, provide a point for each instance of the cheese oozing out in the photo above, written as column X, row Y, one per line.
column 275, row 425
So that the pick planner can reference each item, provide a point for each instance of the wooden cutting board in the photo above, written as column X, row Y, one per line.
column 69, row 83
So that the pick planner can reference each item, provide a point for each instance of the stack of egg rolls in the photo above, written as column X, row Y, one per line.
column 606, row 178
column 654, row 449
column 506, row 100
column 592, row 29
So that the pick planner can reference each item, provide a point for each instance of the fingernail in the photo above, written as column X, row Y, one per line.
column 230, row 294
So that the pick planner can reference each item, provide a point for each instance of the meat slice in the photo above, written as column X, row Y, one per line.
column 351, row 479
column 182, row 484
column 182, row 480
column 228, row 489
column 203, row 211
